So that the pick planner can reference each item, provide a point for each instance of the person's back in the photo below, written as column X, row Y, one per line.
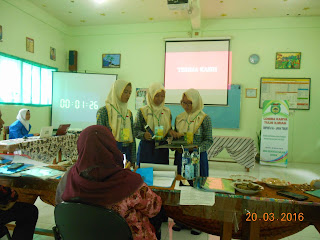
column 98, row 177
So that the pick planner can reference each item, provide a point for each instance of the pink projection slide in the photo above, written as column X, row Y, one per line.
column 200, row 70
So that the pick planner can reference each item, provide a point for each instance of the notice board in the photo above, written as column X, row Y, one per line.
column 295, row 90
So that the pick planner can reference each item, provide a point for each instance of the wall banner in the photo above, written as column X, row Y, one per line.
column 274, row 133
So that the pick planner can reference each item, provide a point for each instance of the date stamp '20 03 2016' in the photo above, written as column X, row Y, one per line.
column 284, row 217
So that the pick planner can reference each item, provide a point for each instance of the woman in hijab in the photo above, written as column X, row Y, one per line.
column 158, row 118
column 98, row 177
column 196, row 126
column 21, row 127
column 118, row 118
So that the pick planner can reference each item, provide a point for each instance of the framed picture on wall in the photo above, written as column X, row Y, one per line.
column 0, row 33
column 251, row 92
column 288, row 60
column 110, row 60
column 52, row 53
column 30, row 45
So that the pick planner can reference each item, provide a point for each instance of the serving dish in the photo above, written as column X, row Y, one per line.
column 275, row 182
column 253, row 188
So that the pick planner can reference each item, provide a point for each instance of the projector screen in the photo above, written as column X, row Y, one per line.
column 199, row 64
column 76, row 97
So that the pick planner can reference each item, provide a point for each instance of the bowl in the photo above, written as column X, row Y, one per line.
column 258, row 187
column 243, row 178
column 275, row 182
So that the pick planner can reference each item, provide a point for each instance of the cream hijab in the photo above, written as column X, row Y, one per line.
column 116, row 107
column 22, row 118
column 195, row 117
column 151, row 113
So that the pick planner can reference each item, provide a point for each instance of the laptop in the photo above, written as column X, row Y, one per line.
column 46, row 132
column 62, row 130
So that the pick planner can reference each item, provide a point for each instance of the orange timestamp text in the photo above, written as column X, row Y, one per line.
column 285, row 217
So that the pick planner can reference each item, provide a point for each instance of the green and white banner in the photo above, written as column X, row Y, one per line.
column 274, row 133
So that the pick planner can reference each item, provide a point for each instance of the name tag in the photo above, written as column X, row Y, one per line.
column 188, row 137
column 125, row 135
column 159, row 132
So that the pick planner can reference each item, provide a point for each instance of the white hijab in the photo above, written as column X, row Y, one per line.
column 115, row 106
column 151, row 110
column 195, row 117
column 22, row 118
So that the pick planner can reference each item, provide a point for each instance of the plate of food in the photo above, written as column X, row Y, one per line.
column 247, row 187
column 275, row 182
column 243, row 178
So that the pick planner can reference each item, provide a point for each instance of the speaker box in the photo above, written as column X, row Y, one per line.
column 73, row 60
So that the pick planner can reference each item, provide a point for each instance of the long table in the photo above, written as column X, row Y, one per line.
column 241, row 149
column 46, row 149
column 232, row 216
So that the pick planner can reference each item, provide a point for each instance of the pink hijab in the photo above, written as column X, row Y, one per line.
column 98, row 176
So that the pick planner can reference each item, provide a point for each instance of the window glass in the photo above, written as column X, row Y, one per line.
column 24, row 81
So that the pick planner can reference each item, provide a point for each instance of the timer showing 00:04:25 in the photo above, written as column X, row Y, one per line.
column 66, row 103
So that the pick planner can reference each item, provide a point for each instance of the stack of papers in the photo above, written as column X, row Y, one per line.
column 42, row 172
column 193, row 196
column 163, row 178
column 157, row 178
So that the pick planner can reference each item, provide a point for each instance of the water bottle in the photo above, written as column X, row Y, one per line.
column 195, row 158
column 187, row 167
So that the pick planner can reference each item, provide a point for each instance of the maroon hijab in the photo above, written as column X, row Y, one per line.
column 100, row 161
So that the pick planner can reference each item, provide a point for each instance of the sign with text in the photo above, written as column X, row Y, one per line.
column 274, row 133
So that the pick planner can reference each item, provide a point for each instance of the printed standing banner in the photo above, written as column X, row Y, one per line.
column 274, row 133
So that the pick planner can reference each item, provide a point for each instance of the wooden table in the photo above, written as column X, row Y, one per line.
column 229, row 217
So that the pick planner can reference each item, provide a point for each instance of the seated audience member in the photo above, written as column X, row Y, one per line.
column 98, row 177
column 25, row 215
column 21, row 127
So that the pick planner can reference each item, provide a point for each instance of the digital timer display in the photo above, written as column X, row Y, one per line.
column 78, row 104
column 76, row 97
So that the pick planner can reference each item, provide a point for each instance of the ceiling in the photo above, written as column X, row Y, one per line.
column 89, row 13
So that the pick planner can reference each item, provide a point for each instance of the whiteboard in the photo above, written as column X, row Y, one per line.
column 76, row 97
column 295, row 90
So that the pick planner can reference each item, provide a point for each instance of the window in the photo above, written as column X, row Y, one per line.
column 24, row 82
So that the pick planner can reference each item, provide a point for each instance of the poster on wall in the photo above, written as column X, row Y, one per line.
column 274, row 133
column 141, row 97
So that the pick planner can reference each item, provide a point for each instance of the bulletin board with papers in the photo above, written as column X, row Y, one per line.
column 295, row 90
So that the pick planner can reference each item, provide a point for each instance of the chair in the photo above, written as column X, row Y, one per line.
column 5, row 132
column 5, row 232
column 79, row 221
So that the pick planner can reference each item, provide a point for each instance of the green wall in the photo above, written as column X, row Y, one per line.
column 142, row 60
column 20, row 19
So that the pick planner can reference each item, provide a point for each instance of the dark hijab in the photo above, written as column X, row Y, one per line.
column 98, row 176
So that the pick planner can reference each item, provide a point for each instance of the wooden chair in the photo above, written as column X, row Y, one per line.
column 5, row 132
